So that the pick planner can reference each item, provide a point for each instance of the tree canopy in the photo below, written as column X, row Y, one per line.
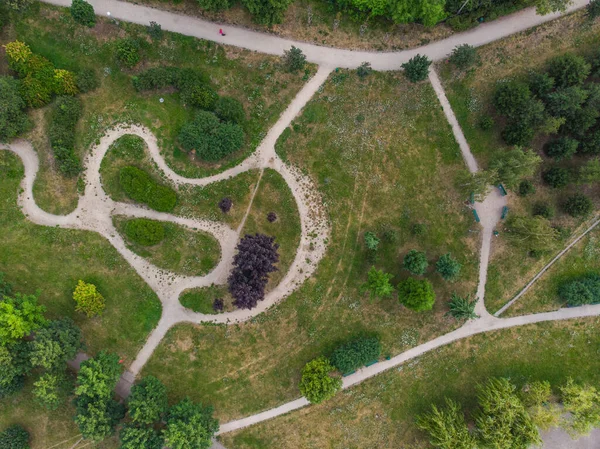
column 446, row 427
column 57, row 343
column 190, row 426
column 19, row 316
column 317, row 385
column 416, row 294
column 148, row 401
column 378, row 283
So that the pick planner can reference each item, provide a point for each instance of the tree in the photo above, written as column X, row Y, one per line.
column 514, row 165
column 566, row 101
column 464, row 56
column 578, row 205
column 190, row 426
column 371, row 241
column 583, row 403
column 417, row 68
column 255, row 259
column 267, row 12
column 317, row 384
column 591, row 143
column 294, row 59
column 446, row 427
column 148, row 401
column 87, row 299
column 97, row 418
column 415, row 262
column 593, row 9
column 428, row 12
column 536, row 396
column 416, row 294
column 540, row 84
column 209, row 138
column 87, row 80
column 14, row 365
column 526, row 187
column 543, row 210
column 568, row 69
column 230, row 110
column 19, row 316
column 225, row 205
column 46, row 390
column 448, row 267
column 13, row 118
column 562, row 148
column 136, row 437
column 55, row 344
column 14, row 437
column 98, row 376
column 535, row 233
column 462, row 307
column 580, row 291
column 378, row 283
column 477, row 183
column 590, row 172
column 502, row 421
column 543, row 7
column 83, row 13
column 557, row 177
column 512, row 98
column 356, row 353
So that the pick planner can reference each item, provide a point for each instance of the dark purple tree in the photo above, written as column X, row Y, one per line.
column 255, row 259
column 271, row 216
column 225, row 205
column 218, row 305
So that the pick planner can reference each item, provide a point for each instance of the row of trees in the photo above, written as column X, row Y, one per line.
column 508, row 418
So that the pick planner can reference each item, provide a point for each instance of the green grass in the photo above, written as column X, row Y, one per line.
column 471, row 95
column 274, row 195
column 256, row 80
column 201, row 299
column 375, row 173
column 582, row 259
column 183, row 250
column 52, row 260
column 380, row 412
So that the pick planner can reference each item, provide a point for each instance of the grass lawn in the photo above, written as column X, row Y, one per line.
column 381, row 411
column 374, row 149
column 202, row 299
column 256, row 80
column 582, row 259
column 471, row 97
column 52, row 260
column 183, row 250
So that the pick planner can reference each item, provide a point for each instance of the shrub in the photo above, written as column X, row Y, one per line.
column 364, row 70
column 416, row 294
column 225, row 205
column 582, row 403
column 593, row 9
column 378, row 283
column 526, row 187
column 591, row 145
column 83, row 13
column 140, row 187
column 87, row 299
column 590, row 172
column 255, row 259
column 294, row 59
column 87, row 80
column 271, row 217
column 581, row 291
column 512, row 98
column 128, row 52
column 214, row 5
column 519, row 133
column 569, row 70
column 157, row 78
column 446, row 427
column 211, row 139
column 371, row 241
column 14, row 437
column 316, row 384
column 578, row 205
column 267, row 12
column 218, row 305
column 486, row 123
column 154, row 30
column 356, row 353
column 200, row 96
column 543, row 210
column 19, row 5
column 148, row 401
column 19, row 316
column 418, row 229
column 562, row 148
column 13, row 118
column 464, row 56
column 417, row 68
column 448, row 267
column 462, row 307
column 144, row 231
column 540, row 84
column 557, row 177
column 415, row 262
column 65, row 115
column 230, row 110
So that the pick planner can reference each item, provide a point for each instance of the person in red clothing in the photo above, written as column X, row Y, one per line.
column 221, row 32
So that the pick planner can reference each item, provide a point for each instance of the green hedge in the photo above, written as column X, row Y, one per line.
column 140, row 187
column 581, row 291
column 144, row 231
column 63, row 120
column 356, row 353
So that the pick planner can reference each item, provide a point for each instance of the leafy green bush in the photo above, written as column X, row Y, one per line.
column 511, row 98
column 569, row 70
column 540, row 84
column 83, row 13
column 578, row 205
column 526, row 187
column 581, row 291
column 87, row 299
column 448, row 267
column 87, row 80
column 156, row 78
column 294, row 59
column 557, row 177
column 210, row 138
column 486, row 123
column 144, row 231
column 378, row 283
column 154, row 30
column 267, row 12
column 214, row 5
column 14, row 437
column 462, row 307
column 464, row 56
column 562, row 148
column 416, row 294
column 128, row 52
column 593, row 9
column 140, row 187
column 63, row 120
column 13, row 118
column 230, row 110
column 316, row 384
column 415, row 262
column 543, row 210
column 591, row 144
column 417, row 68
column 371, row 241
column 356, row 353
column 364, row 70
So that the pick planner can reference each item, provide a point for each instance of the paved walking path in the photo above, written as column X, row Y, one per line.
column 265, row 43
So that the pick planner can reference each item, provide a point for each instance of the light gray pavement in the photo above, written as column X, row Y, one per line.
column 265, row 43
column 559, row 439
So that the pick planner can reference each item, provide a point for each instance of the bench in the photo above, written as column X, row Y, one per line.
column 476, row 216
column 502, row 189
column 504, row 212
